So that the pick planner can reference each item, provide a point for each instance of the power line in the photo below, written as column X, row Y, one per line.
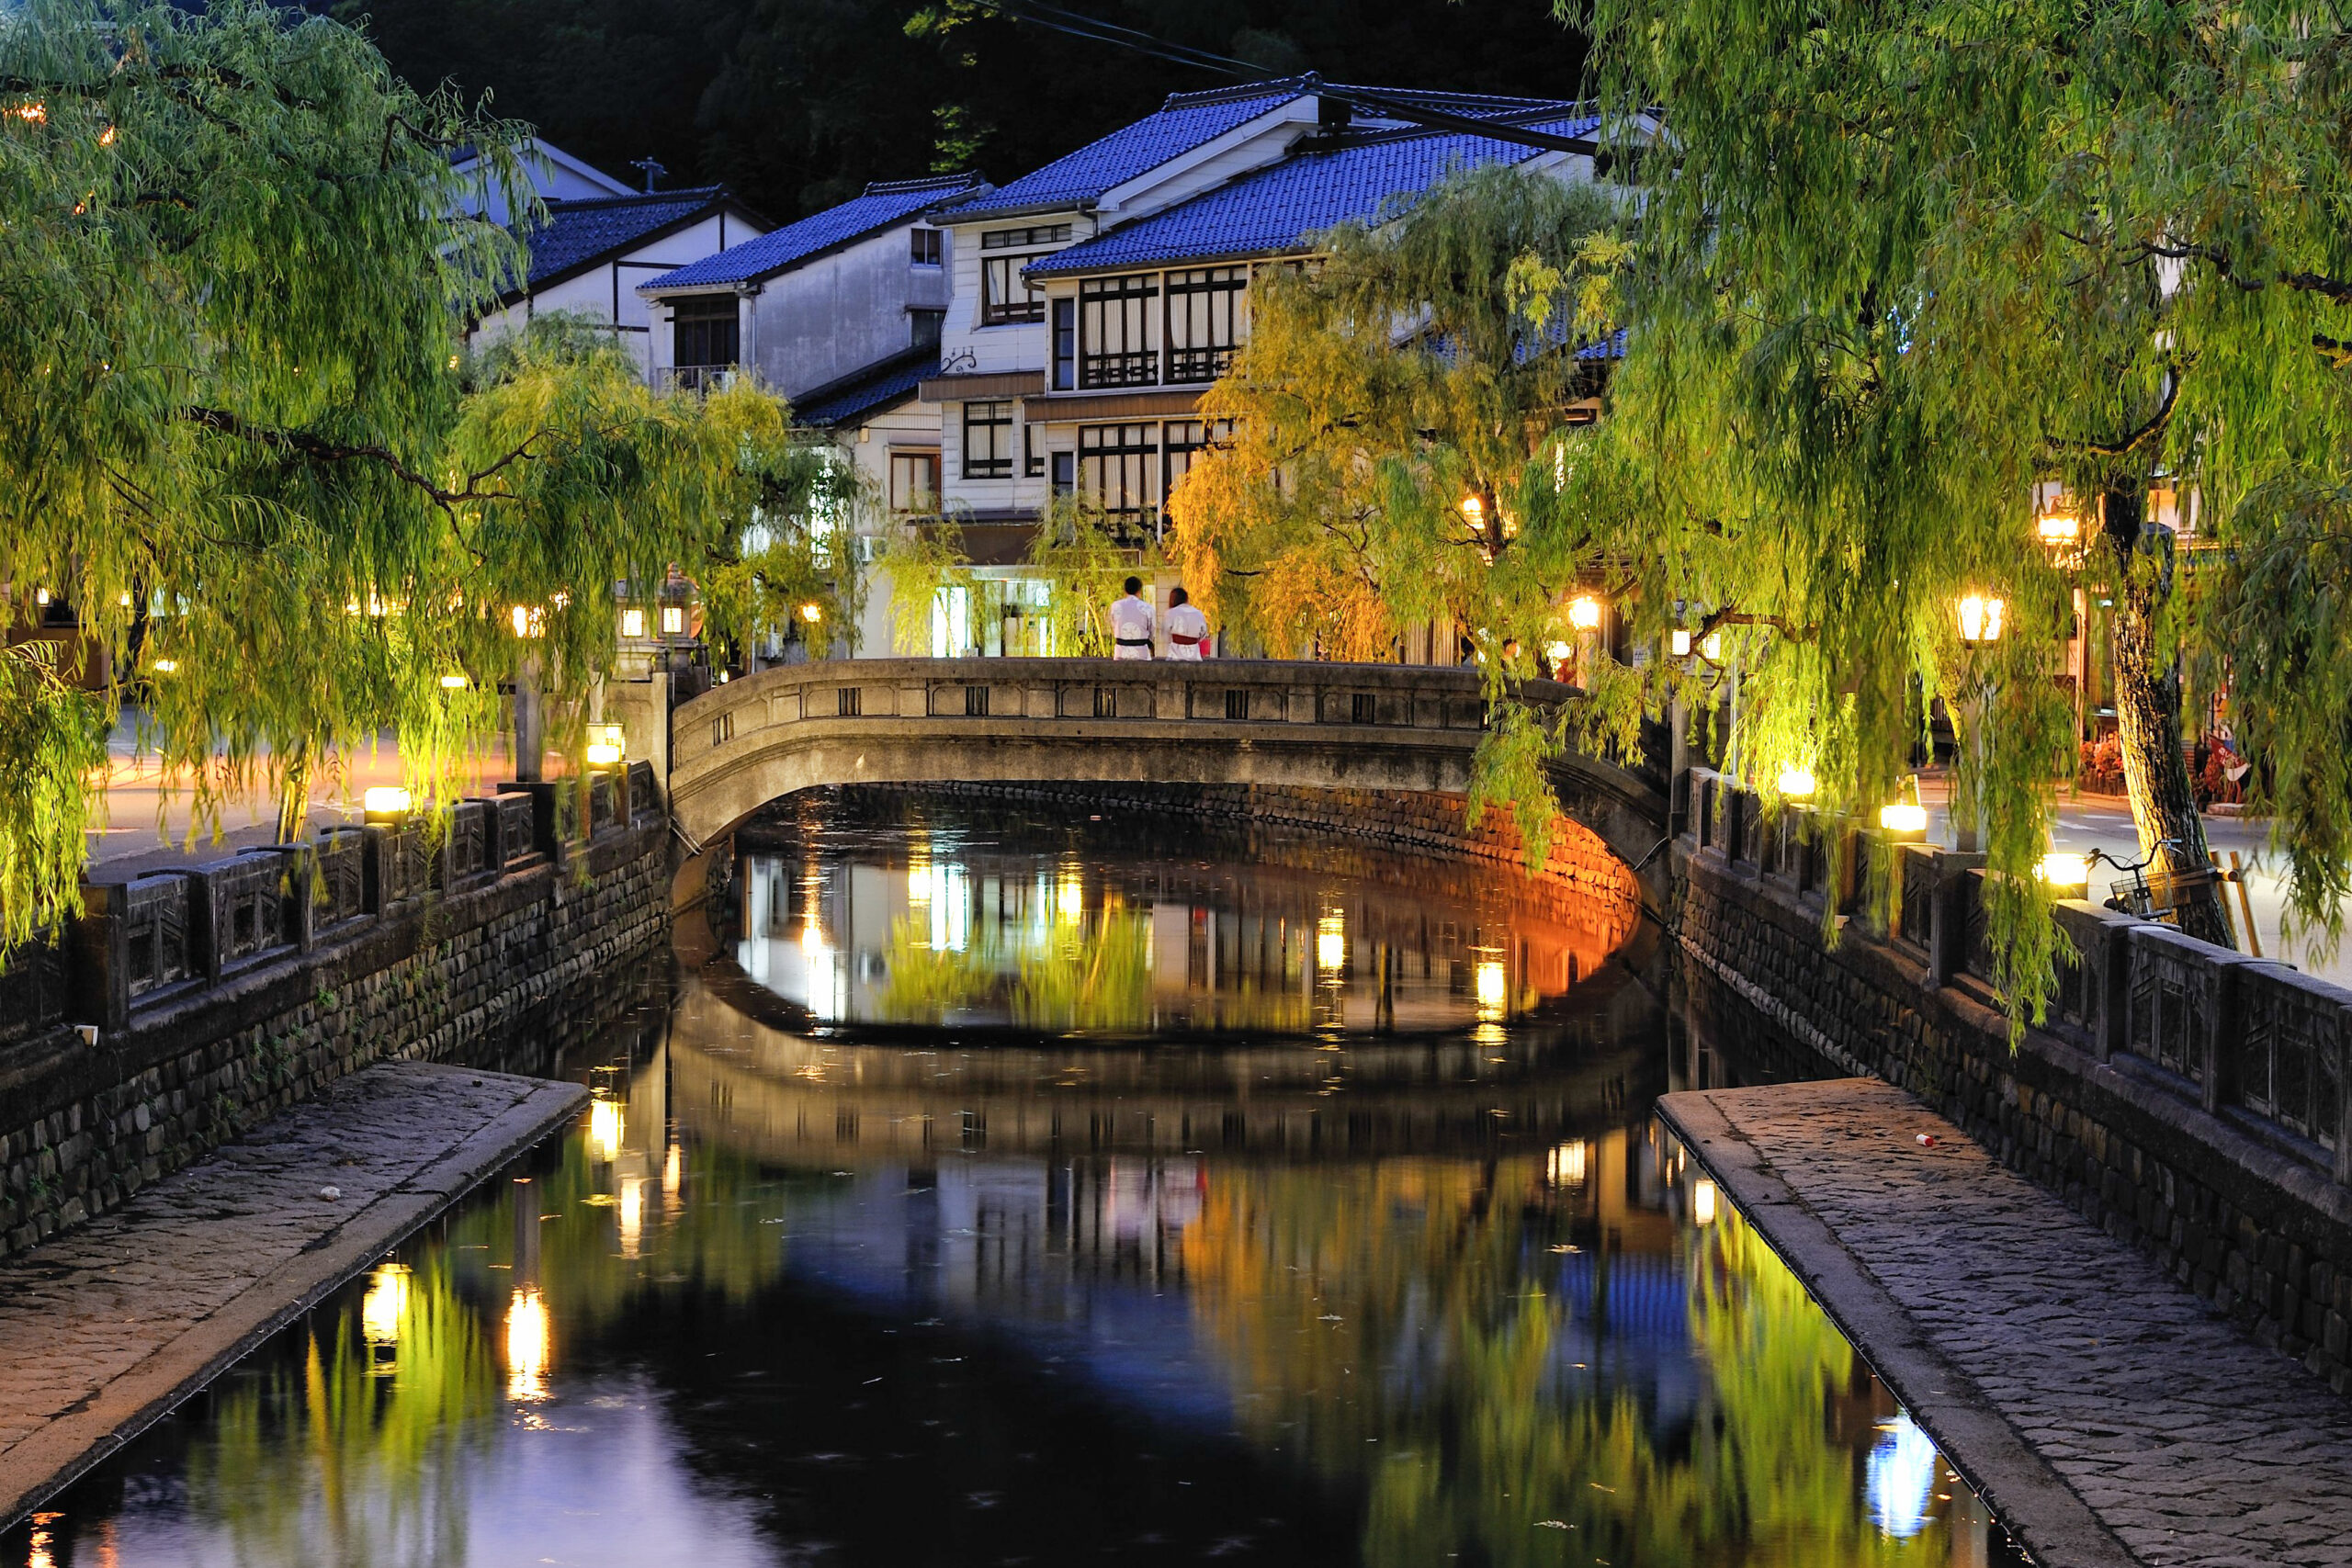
column 1071, row 23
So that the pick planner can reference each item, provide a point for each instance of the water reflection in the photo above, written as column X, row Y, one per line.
column 977, row 920
column 783, row 1297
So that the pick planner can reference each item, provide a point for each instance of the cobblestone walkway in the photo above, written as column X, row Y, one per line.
column 2188, row 1441
column 104, row 1328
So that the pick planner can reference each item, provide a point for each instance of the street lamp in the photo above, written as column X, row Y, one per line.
column 812, row 612
column 1980, row 619
column 1905, row 822
column 1797, row 783
column 2066, row 876
column 1677, row 642
column 386, row 803
column 1584, row 613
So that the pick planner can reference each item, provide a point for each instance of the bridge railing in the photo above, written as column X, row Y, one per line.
column 2257, row 1041
column 1375, row 698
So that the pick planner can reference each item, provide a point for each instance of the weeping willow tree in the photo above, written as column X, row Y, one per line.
column 1077, row 557
column 1393, row 419
column 1904, row 270
column 237, row 436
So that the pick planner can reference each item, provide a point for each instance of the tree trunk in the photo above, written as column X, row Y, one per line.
column 2147, row 719
column 294, row 796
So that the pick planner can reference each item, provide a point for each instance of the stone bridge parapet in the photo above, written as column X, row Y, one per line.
column 1313, row 725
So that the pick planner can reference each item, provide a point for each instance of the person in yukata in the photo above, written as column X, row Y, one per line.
column 1188, row 630
column 1131, row 623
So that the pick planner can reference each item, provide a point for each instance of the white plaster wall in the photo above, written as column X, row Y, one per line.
column 607, row 293
column 967, row 347
column 842, row 312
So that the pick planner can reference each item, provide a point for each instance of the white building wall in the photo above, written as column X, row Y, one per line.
column 607, row 293
column 908, row 424
column 842, row 312
column 830, row 319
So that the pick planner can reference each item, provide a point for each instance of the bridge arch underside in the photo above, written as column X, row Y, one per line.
column 1405, row 791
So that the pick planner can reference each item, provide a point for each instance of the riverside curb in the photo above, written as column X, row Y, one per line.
column 67, row 1446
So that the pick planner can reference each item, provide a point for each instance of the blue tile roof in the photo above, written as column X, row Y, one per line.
column 846, row 403
column 1183, row 123
column 880, row 207
column 1276, row 211
column 578, row 232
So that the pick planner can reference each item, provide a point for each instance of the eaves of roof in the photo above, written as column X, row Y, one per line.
column 868, row 391
column 1276, row 211
column 879, row 208
column 674, row 215
column 1182, row 122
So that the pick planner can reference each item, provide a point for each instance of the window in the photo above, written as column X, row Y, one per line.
column 923, row 328
column 1114, row 331
column 1203, row 321
column 1065, row 344
column 1186, row 440
column 1005, row 295
column 674, row 620
column 706, row 331
column 914, row 481
column 1115, row 469
column 988, row 441
column 923, row 246
column 1025, row 239
column 1033, row 451
column 632, row 623
column 1065, row 473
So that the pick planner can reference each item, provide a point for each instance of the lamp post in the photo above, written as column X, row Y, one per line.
column 530, row 726
column 1980, row 618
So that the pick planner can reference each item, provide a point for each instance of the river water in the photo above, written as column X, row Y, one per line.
column 997, row 1188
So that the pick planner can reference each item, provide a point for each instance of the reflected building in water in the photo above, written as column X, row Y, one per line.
column 948, row 926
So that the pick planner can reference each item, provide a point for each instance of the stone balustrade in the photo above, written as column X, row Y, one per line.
column 211, row 997
column 2233, row 1034
column 159, row 937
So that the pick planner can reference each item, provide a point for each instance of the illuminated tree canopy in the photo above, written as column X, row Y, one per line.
column 1900, row 269
column 237, row 436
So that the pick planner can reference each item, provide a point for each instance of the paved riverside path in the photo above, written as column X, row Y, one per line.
column 106, row 1327
column 2103, row 1411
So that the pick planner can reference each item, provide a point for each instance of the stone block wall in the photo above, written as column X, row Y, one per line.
column 83, row 1126
column 2238, row 1210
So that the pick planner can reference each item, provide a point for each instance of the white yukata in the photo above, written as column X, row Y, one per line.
column 1188, row 633
column 1130, row 627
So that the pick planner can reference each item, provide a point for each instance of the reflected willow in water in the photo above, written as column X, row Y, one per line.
column 1397, row 1274
column 360, row 1454
column 942, row 921
column 1654, row 1396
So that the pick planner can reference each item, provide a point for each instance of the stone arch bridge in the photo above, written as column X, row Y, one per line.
column 1295, row 725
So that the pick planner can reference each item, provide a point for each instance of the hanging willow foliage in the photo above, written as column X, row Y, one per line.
column 239, row 437
column 1393, row 449
column 1899, row 266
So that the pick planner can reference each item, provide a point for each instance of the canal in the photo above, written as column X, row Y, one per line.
column 988, row 1188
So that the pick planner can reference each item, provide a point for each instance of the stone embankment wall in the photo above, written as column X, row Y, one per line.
column 1579, row 867
column 2188, row 1101
column 223, row 994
